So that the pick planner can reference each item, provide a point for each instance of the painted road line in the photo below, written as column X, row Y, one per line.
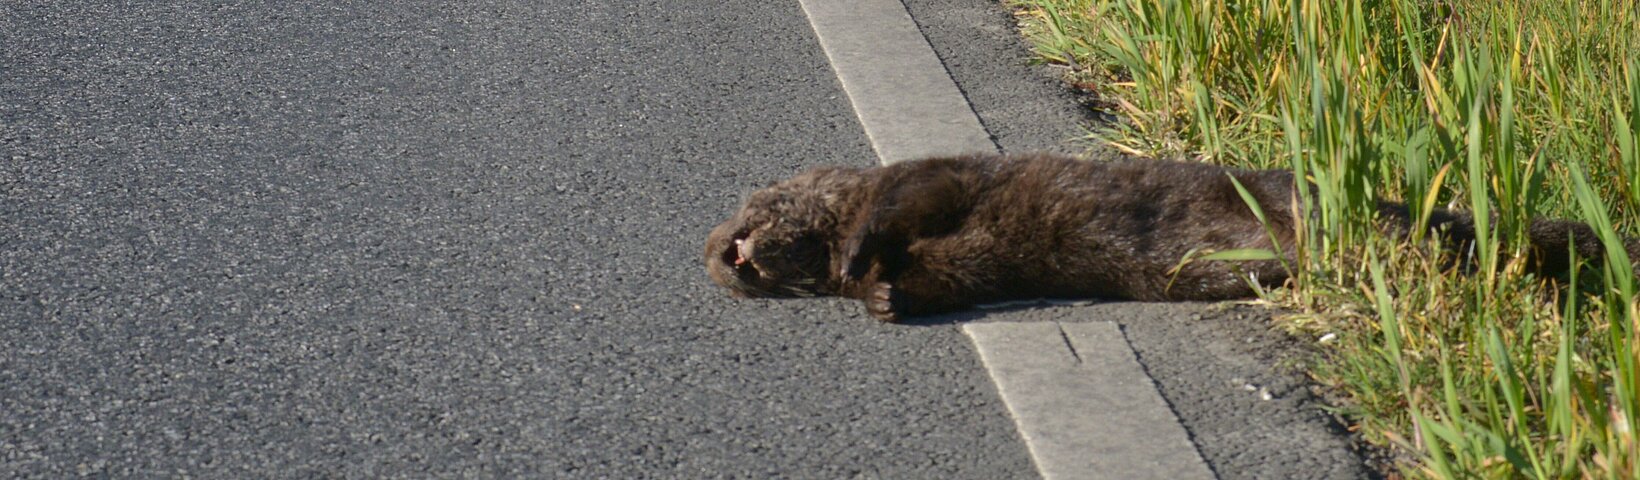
column 1083, row 403
column 905, row 99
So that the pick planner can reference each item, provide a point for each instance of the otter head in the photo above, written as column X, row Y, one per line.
column 780, row 242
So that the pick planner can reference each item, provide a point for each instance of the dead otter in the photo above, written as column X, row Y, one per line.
column 944, row 234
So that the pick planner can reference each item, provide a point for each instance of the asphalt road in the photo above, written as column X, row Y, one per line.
column 348, row 239
column 338, row 238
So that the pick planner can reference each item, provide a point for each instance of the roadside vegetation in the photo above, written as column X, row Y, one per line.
column 1508, row 110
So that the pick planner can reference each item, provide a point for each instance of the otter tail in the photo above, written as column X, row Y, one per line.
column 1550, row 239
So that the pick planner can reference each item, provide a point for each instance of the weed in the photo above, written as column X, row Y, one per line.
column 1509, row 110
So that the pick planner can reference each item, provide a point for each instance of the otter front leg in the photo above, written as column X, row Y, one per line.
column 917, row 204
column 886, row 300
column 911, row 296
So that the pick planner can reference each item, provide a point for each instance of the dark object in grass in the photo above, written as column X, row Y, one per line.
column 944, row 234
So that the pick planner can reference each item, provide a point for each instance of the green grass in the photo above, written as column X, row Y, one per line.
column 1508, row 109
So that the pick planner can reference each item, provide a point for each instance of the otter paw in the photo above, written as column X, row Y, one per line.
column 857, row 256
column 880, row 303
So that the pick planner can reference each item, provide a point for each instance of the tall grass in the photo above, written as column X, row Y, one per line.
column 1509, row 110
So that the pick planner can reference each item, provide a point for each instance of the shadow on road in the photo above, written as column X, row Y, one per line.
column 1011, row 310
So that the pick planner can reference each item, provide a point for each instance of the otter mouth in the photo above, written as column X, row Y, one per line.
column 735, row 256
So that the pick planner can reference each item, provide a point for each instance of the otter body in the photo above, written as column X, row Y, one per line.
column 944, row 234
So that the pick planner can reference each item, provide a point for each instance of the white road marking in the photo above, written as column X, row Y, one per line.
column 905, row 99
column 1083, row 403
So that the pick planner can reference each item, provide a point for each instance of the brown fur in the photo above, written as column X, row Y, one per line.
column 944, row 234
